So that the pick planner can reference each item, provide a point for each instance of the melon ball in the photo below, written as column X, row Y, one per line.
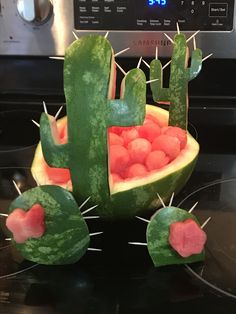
column 136, row 170
column 138, row 150
column 149, row 131
column 177, row 132
column 168, row 144
column 129, row 135
column 118, row 158
column 156, row 160
column 115, row 139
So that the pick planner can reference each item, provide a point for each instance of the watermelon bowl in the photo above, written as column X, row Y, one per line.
column 142, row 162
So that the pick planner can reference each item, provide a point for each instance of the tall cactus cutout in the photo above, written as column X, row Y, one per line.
column 88, row 80
column 180, row 74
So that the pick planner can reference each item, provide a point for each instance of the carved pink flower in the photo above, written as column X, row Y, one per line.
column 187, row 237
column 26, row 224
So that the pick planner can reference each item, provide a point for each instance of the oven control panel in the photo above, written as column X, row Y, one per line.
column 46, row 27
column 154, row 15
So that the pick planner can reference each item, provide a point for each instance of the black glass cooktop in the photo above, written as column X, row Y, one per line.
column 121, row 278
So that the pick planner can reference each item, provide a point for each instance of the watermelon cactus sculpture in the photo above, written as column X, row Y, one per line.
column 177, row 92
column 92, row 153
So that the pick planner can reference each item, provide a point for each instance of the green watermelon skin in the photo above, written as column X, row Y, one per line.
column 66, row 238
column 158, row 233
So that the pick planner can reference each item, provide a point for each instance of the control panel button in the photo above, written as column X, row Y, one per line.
column 95, row 9
column 182, row 4
column 218, row 9
column 83, row 9
column 193, row 12
column 107, row 9
column 155, row 22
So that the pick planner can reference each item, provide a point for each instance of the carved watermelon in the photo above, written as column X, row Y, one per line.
column 138, row 192
column 122, row 178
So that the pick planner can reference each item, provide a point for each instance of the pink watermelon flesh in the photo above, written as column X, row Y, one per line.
column 136, row 170
column 138, row 150
column 133, row 151
column 129, row 135
column 59, row 175
column 149, row 131
column 176, row 132
column 187, row 238
column 115, row 139
column 25, row 225
column 156, row 160
column 119, row 158
column 116, row 177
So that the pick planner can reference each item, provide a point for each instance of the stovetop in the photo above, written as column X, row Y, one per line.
column 121, row 278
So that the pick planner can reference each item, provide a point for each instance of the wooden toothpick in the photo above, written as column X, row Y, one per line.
column 120, row 68
column 161, row 200
column 206, row 222
column 17, row 188
column 204, row 59
column 170, row 39
column 36, row 123
column 193, row 35
column 75, row 35
column 120, row 52
column 193, row 207
column 143, row 219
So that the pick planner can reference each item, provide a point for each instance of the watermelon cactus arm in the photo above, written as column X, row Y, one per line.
column 130, row 107
column 55, row 153
column 159, row 93
column 196, row 64
column 180, row 75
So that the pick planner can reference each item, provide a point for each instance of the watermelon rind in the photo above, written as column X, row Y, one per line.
column 66, row 237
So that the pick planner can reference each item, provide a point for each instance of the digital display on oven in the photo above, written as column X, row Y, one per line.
column 157, row 3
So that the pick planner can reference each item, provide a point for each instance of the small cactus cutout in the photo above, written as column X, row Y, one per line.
column 180, row 74
column 174, row 236
column 158, row 233
column 66, row 236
